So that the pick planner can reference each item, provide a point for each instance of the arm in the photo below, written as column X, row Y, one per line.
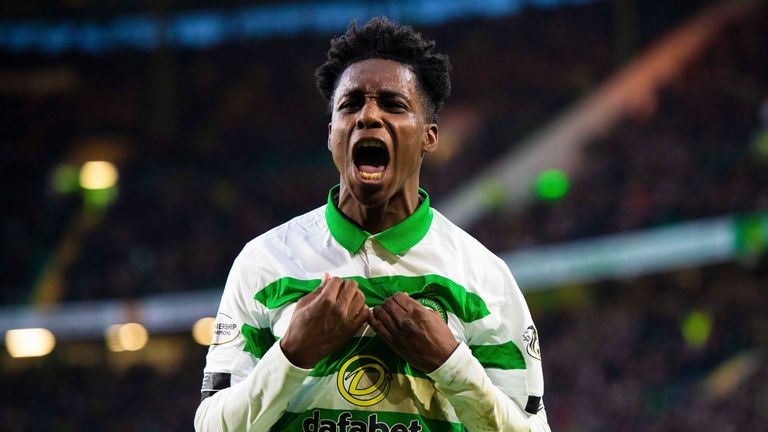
column 255, row 403
column 266, row 377
column 510, row 396
column 248, row 380
column 484, row 400
column 479, row 404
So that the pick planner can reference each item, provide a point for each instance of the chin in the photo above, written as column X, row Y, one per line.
column 370, row 195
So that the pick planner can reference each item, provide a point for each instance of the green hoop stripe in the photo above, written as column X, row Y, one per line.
column 257, row 341
column 503, row 356
column 467, row 306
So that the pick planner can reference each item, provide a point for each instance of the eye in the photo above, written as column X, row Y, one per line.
column 349, row 105
column 395, row 105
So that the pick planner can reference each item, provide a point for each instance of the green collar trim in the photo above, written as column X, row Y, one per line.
column 396, row 239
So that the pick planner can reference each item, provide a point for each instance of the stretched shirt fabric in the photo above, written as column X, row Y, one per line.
column 492, row 382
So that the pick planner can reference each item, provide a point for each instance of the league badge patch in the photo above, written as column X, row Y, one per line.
column 531, row 339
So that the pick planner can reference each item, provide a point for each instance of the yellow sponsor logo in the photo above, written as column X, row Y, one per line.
column 364, row 380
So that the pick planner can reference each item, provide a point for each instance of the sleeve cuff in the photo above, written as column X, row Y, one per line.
column 277, row 364
column 280, row 361
column 461, row 369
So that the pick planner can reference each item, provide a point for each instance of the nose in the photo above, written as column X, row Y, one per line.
column 369, row 117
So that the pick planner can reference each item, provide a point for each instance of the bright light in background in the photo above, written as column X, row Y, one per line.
column 98, row 175
column 551, row 185
column 696, row 328
column 126, row 337
column 202, row 331
column 112, row 339
column 30, row 342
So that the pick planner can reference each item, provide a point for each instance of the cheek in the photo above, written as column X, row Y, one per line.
column 411, row 149
column 338, row 151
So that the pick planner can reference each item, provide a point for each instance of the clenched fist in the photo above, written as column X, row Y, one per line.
column 415, row 333
column 323, row 321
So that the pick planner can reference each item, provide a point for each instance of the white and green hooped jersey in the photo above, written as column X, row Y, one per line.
column 492, row 382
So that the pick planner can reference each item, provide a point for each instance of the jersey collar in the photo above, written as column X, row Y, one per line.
column 396, row 239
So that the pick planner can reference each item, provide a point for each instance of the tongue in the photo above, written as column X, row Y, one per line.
column 371, row 168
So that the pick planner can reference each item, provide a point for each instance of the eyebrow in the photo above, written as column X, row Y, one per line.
column 385, row 93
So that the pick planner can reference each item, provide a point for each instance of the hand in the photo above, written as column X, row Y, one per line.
column 323, row 321
column 417, row 334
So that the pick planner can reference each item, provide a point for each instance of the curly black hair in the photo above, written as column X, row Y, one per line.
column 381, row 38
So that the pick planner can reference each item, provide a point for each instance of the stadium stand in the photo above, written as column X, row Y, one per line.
column 690, row 157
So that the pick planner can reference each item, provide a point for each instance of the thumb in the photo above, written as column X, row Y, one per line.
column 316, row 292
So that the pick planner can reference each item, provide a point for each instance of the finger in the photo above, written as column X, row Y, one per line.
column 378, row 327
column 351, row 303
column 392, row 306
column 347, row 292
column 357, row 302
column 404, row 301
column 314, row 293
column 385, row 318
column 331, row 288
column 362, row 316
column 309, row 297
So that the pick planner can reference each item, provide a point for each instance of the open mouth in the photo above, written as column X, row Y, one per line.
column 371, row 158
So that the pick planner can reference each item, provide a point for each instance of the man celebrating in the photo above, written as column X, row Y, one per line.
column 374, row 313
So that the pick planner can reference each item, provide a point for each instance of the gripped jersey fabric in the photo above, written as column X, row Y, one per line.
column 365, row 386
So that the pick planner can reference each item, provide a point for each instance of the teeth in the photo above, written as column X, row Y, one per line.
column 371, row 176
column 371, row 144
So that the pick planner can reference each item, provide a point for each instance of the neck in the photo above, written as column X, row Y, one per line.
column 376, row 219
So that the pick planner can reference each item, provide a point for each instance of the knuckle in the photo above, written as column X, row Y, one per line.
column 359, row 295
column 335, row 308
column 325, row 302
column 380, row 314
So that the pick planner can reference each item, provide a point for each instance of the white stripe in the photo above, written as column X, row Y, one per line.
column 512, row 383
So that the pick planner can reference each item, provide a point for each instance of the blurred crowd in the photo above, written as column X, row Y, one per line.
column 696, row 153
column 629, row 357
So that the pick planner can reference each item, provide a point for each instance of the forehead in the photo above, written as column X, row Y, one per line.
column 374, row 75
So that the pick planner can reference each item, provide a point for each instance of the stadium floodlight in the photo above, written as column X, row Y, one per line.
column 202, row 331
column 126, row 337
column 95, row 175
column 29, row 342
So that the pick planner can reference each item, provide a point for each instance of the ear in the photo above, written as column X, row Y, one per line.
column 329, row 135
column 430, row 138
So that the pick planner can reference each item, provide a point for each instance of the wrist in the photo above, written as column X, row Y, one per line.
column 442, row 359
column 297, row 357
